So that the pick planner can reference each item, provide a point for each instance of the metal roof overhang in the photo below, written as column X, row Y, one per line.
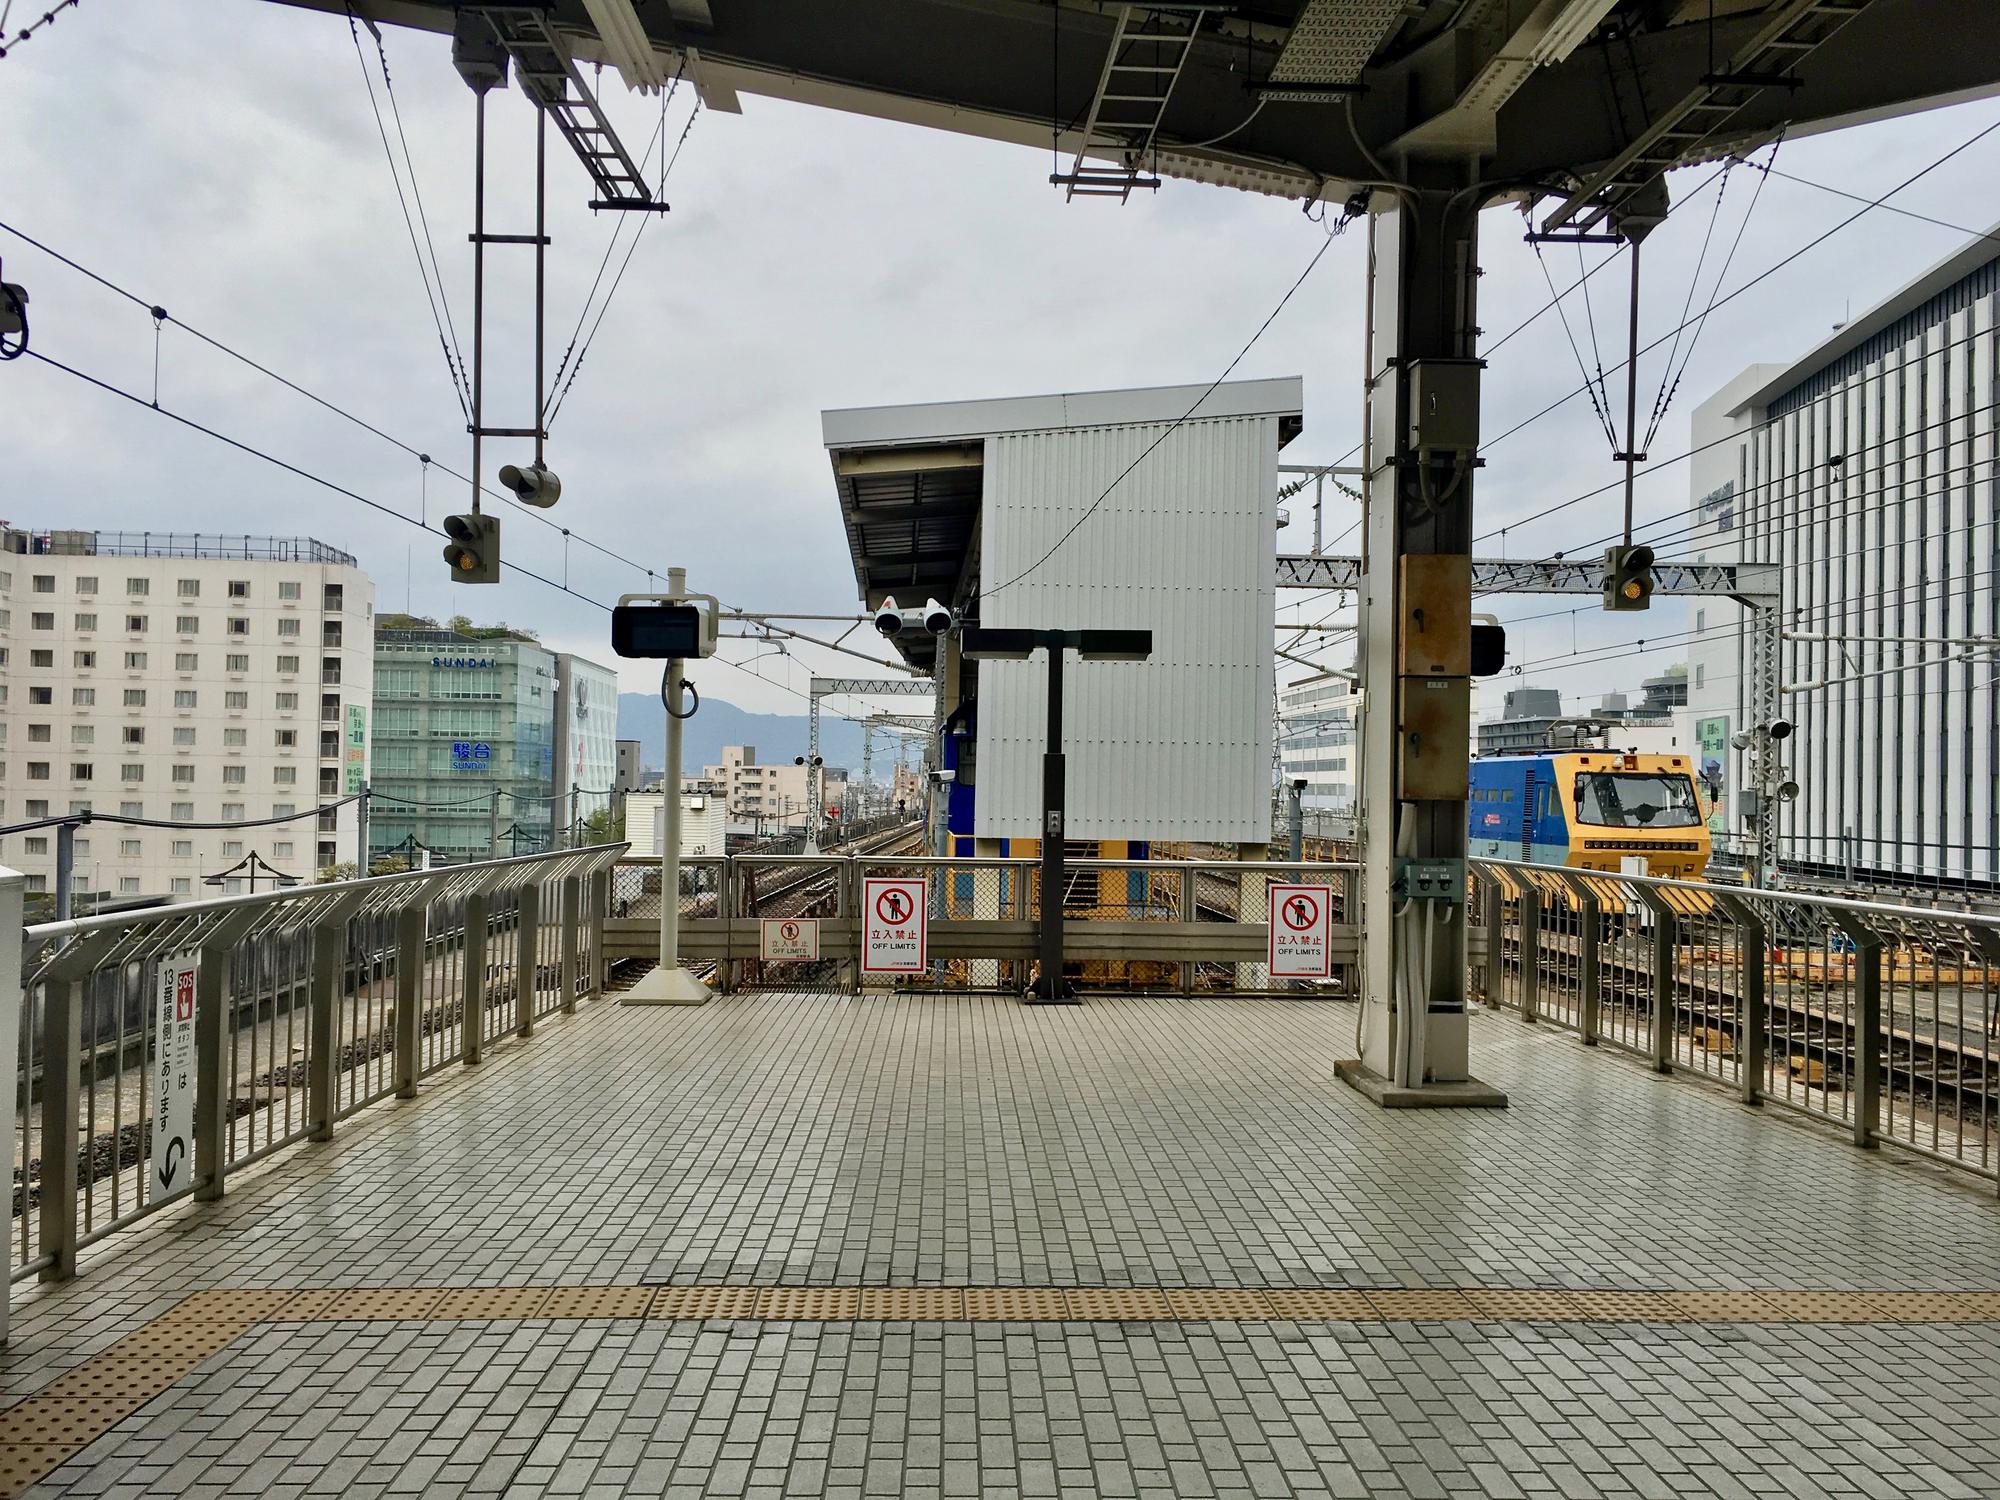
column 912, row 521
column 1450, row 88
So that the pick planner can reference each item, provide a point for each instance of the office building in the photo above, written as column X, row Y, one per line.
column 186, row 679
column 586, row 738
column 1863, row 471
column 1316, row 745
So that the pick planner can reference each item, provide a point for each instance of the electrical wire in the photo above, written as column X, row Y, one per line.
column 48, row 18
column 1169, row 430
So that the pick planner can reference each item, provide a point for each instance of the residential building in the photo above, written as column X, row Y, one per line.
column 1863, row 472
column 464, row 749
column 1316, row 743
column 184, row 680
column 1525, row 716
column 758, row 798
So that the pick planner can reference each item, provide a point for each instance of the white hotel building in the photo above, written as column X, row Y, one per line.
column 181, row 680
column 1866, row 471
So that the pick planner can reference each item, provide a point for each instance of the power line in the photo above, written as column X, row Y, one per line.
column 48, row 18
column 1175, row 425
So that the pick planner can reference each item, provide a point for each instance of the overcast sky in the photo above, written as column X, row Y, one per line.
column 219, row 158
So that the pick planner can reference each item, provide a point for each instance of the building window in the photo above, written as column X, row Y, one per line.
column 128, row 885
column 239, row 588
column 135, row 624
column 45, row 583
column 129, row 848
column 287, row 664
column 81, row 770
column 42, row 619
column 187, row 624
column 41, row 658
column 183, row 775
column 83, row 734
column 41, row 695
column 238, row 625
column 86, row 622
column 284, row 775
column 131, row 809
column 185, row 698
column 181, row 812
column 283, row 809
column 288, row 589
column 85, row 659
column 187, row 661
column 135, row 697
column 288, row 739
column 336, row 598
column 39, row 734
column 329, row 633
column 135, row 661
column 1700, row 674
column 38, row 807
column 329, row 671
column 281, row 850
column 131, row 771
column 135, row 734
column 237, row 661
column 232, row 849
column 183, row 848
column 190, row 588
column 232, row 812
column 288, row 627
column 38, row 884
column 37, row 844
column 233, row 776
column 236, row 699
column 83, row 697
column 180, row 885
column 82, row 845
column 286, row 702
column 184, row 735
column 38, row 770
column 138, row 585
column 329, row 781
column 231, row 737
column 86, row 585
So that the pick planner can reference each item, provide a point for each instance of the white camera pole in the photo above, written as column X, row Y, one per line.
column 670, row 984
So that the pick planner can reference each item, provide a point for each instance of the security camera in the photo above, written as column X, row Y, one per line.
column 1299, row 785
column 1779, row 729
column 937, row 619
column 888, row 618
column 942, row 776
column 1740, row 740
column 534, row 485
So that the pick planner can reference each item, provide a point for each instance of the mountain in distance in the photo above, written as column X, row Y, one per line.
column 778, row 737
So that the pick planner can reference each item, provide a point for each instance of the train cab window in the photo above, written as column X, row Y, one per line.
column 1635, row 799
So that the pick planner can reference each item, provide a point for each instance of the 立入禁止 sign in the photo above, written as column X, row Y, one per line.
column 1301, row 932
column 895, row 932
column 788, row 939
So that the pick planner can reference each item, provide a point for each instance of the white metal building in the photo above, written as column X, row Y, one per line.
column 1150, row 509
column 186, row 680
column 703, row 824
column 1866, row 471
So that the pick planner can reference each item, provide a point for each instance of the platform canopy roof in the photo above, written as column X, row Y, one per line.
column 1584, row 103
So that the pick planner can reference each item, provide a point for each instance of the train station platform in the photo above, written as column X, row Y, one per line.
column 801, row 1244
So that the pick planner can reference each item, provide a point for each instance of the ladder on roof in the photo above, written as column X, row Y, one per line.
column 1149, row 47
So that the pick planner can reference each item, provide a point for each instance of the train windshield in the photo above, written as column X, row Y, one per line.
column 1636, row 799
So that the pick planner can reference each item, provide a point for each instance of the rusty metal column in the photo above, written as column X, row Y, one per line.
column 1420, row 446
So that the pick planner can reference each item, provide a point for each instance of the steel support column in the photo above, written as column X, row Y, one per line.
column 1422, row 275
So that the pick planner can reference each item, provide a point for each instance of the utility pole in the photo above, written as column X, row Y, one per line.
column 65, row 869
column 361, row 832
column 493, row 825
column 1297, row 841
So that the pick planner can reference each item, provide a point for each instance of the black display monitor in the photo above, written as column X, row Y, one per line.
column 660, row 632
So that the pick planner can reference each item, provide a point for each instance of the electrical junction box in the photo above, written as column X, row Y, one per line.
column 1433, row 729
column 1444, row 406
column 1430, row 880
column 1435, row 601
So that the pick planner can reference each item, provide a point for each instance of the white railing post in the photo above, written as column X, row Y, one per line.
column 13, row 886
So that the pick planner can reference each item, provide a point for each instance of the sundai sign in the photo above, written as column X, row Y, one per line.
column 895, row 931
column 1301, row 932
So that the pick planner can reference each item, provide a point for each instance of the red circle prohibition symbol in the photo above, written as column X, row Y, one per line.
column 1300, row 912
column 790, row 931
column 893, row 907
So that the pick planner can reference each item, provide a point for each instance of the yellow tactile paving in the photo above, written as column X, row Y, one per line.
column 1936, row 1307
column 912, row 1304
column 1314, row 1305
column 61, row 1419
column 704, row 1302
column 1401, row 1304
column 1520, row 1305
column 1219, row 1304
column 307, row 1306
column 597, row 1302
column 810, row 1304
column 21, row 1464
column 1623, row 1307
column 1118, row 1304
column 379, row 1304
column 1015, row 1304
column 1723, row 1307
column 1825, row 1307
column 481, row 1302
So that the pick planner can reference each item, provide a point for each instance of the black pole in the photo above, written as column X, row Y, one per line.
column 1052, row 988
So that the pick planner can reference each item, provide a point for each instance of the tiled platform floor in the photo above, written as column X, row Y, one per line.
column 817, row 1141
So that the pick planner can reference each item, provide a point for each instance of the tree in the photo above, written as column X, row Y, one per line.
column 388, row 864
column 330, row 873
column 605, row 826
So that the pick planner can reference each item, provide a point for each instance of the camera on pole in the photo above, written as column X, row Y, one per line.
column 1628, row 577
column 472, row 547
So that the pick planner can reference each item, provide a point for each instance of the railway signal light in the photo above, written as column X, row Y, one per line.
column 534, row 485
column 1628, row 577
column 472, row 547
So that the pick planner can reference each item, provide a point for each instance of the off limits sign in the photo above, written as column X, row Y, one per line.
column 172, row 1163
column 789, row 939
column 895, row 928
column 1301, row 932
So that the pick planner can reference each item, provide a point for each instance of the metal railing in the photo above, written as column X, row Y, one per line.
column 1883, row 1020
column 304, row 1005
column 1155, row 926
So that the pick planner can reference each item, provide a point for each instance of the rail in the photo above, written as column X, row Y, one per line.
column 159, row 1050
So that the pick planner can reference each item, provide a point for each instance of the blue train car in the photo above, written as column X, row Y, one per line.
column 1588, row 810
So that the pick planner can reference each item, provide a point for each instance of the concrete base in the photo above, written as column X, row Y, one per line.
column 1469, row 1094
column 664, row 986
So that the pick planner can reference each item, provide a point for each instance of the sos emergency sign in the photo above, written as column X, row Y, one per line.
column 895, row 926
column 1301, row 932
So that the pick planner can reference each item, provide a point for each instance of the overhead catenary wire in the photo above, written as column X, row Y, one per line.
column 47, row 18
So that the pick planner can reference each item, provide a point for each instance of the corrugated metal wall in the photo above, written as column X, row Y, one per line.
column 1175, row 748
